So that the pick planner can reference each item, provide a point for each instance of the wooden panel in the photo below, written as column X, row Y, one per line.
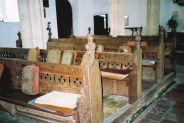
column 115, row 87
column 109, row 43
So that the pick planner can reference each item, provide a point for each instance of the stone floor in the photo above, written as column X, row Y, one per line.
column 169, row 108
column 5, row 117
column 112, row 103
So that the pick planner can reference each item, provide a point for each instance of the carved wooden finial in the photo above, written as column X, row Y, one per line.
column 88, row 57
column 90, row 46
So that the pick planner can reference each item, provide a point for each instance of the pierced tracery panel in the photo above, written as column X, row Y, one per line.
column 127, row 66
column 60, row 82
column 114, row 64
column 46, row 77
column 76, row 81
column 103, row 64
column 63, row 80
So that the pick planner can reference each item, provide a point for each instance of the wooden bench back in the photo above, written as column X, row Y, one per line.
column 84, row 79
column 71, row 82
column 51, row 76
column 111, row 60
column 109, row 43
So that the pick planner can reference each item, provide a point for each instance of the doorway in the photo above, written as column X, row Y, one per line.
column 64, row 18
column 101, row 24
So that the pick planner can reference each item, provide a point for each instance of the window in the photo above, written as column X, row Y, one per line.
column 9, row 11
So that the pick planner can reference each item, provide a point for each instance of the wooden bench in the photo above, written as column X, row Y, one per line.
column 152, row 49
column 111, row 62
column 121, row 73
column 84, row 80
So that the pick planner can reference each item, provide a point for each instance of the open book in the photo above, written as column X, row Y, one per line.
column 59, row 99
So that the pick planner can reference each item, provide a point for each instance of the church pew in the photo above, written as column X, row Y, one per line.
column 152, row 49
column 84, row 79
column 120, row 64
column 111, row 62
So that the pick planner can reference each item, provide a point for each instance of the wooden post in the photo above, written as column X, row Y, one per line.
column 138, row 64
column 161, row 56
column 91, row 105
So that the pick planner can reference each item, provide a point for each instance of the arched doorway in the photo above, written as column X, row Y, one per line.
column 64, row 18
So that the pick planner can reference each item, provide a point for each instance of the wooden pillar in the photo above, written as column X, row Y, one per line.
column 116, row 17
column 153, row 17
column 161, row 55
column 138, row 63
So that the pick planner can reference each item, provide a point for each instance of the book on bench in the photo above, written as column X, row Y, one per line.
column 58, row 99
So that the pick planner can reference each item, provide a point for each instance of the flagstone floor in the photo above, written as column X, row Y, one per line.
column 169, row 108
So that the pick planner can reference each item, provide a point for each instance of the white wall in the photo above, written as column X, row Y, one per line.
column 100, row 7
column 8, row 33
column 85, row 16
column 11, row 26
column 83, row 12
column 137, row 12
column 51, row 17
column 82, row 17
column 75, row 17
column 11, row 11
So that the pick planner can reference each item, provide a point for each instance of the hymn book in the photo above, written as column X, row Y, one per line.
column 59, row 99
